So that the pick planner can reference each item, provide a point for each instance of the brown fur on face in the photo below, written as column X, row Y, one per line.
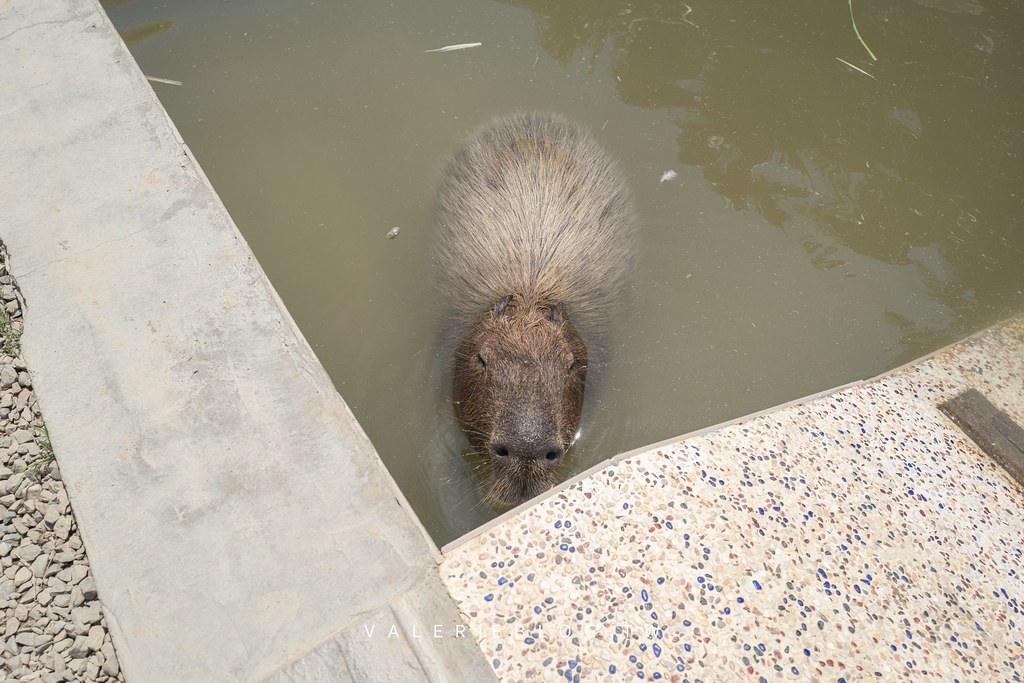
column 519, row 375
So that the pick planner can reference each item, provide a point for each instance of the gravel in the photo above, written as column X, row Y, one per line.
column 52, row 628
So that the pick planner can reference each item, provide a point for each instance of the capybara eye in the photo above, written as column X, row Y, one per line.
column 572, row 366
column 481, row 361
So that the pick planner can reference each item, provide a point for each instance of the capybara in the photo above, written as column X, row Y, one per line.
column 534, row 252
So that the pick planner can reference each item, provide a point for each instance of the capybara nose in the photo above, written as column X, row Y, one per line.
column 549, row 452
column 553, row 453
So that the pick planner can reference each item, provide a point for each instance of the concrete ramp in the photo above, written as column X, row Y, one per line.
column 234, row 513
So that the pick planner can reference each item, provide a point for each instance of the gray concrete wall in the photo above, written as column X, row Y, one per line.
column 234, row 513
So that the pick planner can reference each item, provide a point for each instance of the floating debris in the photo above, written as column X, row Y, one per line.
column 668, row 175
column 857, row 68
column 953, row 6
column 393, row 232
column 854, row 23
column 157, row 79
column 452, row 48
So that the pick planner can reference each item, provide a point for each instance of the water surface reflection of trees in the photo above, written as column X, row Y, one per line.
column 922, row 155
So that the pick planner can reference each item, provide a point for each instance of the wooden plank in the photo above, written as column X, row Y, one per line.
column 992, row 429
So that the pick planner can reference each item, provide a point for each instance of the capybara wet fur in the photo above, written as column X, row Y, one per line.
column 534, row 251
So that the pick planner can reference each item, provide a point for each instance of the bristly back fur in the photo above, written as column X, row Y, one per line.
column 532, row 206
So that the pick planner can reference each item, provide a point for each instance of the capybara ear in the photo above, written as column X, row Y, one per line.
column 502, row 304
column 556, row 312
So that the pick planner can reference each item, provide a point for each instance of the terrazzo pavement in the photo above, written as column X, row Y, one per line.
column 856, row 536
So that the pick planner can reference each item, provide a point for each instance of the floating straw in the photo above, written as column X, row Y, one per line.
column 852, row 21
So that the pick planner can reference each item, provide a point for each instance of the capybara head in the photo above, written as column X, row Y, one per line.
column 518, row 392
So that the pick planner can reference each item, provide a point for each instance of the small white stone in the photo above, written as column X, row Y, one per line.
column 78, row 649
column 82, row 618
column 88, row 587
column 95, row 639
column 62, row 644
column 8, row 376
column 110, row 665
column 26, row 638
column 22, row 576
column 78, row 572
column 24, row 398
column 28, row 552
column 39, row 566
column 62, row 528
column 35, row 490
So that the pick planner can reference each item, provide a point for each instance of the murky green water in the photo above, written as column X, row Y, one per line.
column 824, row 224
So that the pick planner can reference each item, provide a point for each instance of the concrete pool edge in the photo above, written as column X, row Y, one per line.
column 238, row 522
column 594, row 469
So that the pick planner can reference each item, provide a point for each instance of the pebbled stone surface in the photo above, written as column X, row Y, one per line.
column 47, row 633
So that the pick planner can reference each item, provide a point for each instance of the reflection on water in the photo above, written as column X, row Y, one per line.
column 914, row 157
column 134, row 36
column 830, row 216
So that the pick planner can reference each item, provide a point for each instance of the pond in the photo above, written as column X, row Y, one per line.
column 808, row 215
